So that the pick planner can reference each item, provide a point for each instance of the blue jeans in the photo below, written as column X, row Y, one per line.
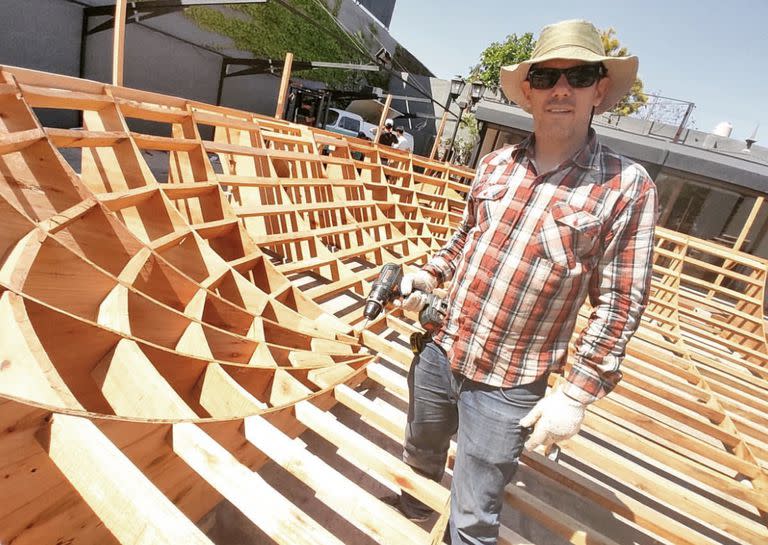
column 489, row 440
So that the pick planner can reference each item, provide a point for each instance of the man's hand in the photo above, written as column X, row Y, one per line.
column 414, row 287
column 556, row 417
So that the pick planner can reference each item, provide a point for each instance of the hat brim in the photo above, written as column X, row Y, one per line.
column 621, row 71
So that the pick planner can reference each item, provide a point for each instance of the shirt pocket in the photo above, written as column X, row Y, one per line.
column 489, row 205
column 569, row 237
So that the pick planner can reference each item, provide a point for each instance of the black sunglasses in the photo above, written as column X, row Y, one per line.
column 584, row 75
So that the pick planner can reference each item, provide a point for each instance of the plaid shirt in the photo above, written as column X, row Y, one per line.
column 528, row 252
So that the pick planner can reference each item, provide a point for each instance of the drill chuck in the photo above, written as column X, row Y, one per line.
column 384, row 290
column 372, row 309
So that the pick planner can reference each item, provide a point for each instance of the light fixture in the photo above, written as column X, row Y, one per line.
column 457, row 86
column 476, row 91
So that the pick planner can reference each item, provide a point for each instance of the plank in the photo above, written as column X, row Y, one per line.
column 76, row 138
column 282, row 521
column 98, row 470
column 133, row 386
column 557, row 521
column 370, row 457
column 371, row 516
column 20, row 140
column 223, row 397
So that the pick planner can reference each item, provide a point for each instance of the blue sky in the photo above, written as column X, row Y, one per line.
column 710, row 52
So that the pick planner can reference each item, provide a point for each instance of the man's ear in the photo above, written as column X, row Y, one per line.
column 526, row 88
column 602, row 88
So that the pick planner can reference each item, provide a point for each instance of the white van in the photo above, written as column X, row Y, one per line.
column 351, row 124
column 343, row 122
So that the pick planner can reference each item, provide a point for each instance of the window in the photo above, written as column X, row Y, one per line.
column 332, row 117
column 697, row 206
column 350, row 124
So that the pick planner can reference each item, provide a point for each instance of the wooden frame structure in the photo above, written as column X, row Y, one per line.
column 166, row 344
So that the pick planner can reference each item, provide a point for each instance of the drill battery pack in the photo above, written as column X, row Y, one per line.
column 433, row 313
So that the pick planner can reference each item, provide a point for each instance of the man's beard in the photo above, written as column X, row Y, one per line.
column 557, row 131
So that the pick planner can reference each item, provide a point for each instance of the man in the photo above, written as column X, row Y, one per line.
column 548, row 222
column 388, row 138
column 402, row 142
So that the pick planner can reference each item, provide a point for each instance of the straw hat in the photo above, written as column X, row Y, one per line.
column 572, row 40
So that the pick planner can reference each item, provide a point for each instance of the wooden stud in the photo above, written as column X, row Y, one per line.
column 111, row 484
column 382, row 119
column 263, row 505
column 118, row 43
column 285, row 81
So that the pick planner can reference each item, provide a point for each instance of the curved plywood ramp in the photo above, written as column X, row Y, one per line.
column 180, row 320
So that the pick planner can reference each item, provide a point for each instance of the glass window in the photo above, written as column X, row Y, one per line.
column 350, row 124
column 696, row 206
column 332, row 117
column 756, row 242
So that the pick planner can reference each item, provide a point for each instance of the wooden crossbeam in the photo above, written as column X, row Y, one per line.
column 110, row 484
column 282, row 521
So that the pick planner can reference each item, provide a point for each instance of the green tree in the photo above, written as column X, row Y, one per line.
column 636, row 98
column 467, row 141
column 511, row 51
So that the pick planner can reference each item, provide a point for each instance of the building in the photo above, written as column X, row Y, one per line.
column 710, row 186
column 381, row 9
column 197, row 48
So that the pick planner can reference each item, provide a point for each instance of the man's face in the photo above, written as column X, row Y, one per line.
column 562, row 113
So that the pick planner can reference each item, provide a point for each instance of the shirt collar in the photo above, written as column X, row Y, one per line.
column 587, row 156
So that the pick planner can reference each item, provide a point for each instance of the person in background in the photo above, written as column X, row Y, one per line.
column 402, row 142
column 388, row 137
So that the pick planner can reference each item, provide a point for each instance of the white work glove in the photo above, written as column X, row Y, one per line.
column 414, row 288
column 555, row 418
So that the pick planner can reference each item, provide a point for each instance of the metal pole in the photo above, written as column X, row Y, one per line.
column 284, row 85
column 222, row 75
column 325, row 111
column 319, row 112
column 684, row 122
column 81, row 72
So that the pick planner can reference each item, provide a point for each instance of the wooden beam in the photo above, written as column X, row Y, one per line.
column 277, row 517
column 331, row 487
column 748, row 224
column 134, row 387
column 125, row 500
column 284, row 83
column 439, row 135
column 382, row 119
column 365, row 453
column 741, row 238
column 118, row 43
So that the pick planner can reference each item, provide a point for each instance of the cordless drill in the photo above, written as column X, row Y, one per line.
column 383, row 291
column 386, row 288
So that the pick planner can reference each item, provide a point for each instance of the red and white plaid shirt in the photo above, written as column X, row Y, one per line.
column 528, row 252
